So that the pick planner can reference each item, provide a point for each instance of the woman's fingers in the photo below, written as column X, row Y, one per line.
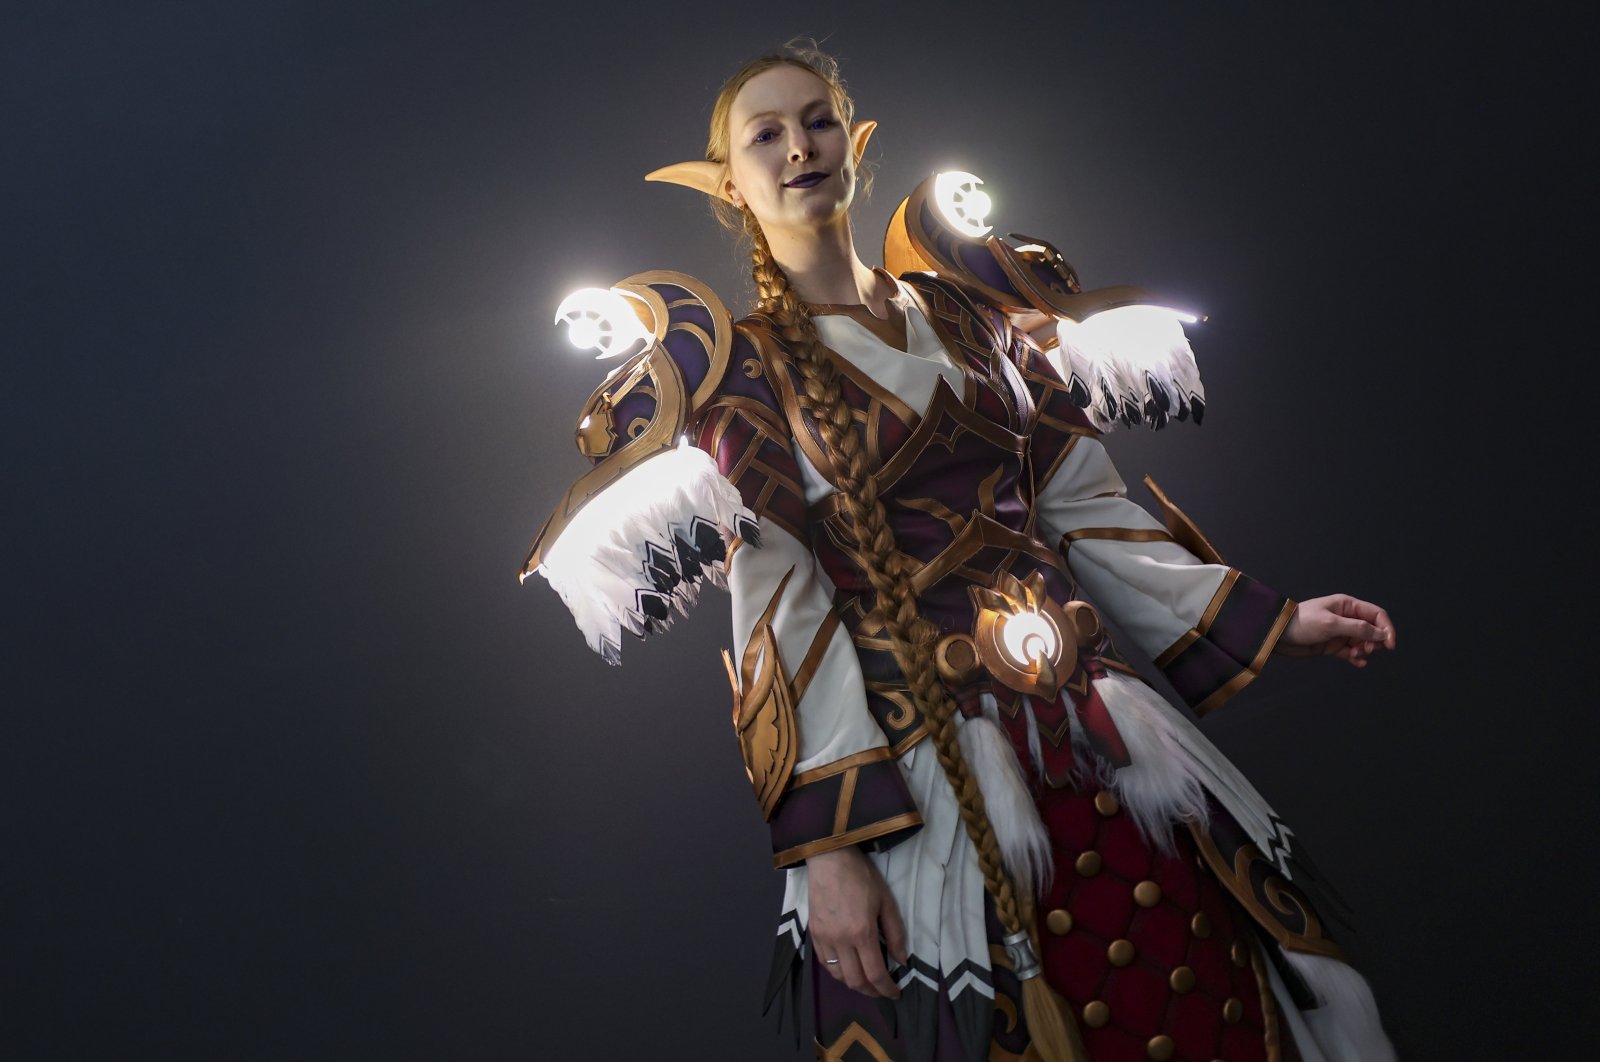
column 893, row 928
column 875, row 973
column 1386, row 624
column 860, row 967
column 850, row 972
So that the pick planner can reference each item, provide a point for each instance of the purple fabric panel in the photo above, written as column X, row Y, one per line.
column 1245, row 619
column 881, row 793
column 1200, row 670
column 805, row 813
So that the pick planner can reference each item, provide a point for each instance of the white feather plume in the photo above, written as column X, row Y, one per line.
column 1130, row 365
column 639, row 552
column 1024, row 841
column 1345, row 1022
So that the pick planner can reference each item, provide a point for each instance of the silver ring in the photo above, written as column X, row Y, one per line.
column 830, row 962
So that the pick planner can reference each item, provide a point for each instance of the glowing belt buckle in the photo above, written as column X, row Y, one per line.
column 1026, row 641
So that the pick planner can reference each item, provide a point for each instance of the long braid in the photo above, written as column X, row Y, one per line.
column 912, row 637
column 1054, row 1033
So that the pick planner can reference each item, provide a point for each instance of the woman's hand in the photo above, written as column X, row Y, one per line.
column 1337, row 625
column 850, row 905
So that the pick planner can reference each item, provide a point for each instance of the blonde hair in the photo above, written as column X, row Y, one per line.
column 803, row 54
column 912, row 637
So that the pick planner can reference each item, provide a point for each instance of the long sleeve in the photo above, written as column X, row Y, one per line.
column 821, row 765
column 1207, row 626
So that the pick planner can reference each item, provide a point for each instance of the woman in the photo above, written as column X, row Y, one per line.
column 911, row 467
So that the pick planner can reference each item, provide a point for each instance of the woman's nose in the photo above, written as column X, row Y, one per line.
column 800, row 148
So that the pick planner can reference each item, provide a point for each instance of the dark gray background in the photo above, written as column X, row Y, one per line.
column 294, row 770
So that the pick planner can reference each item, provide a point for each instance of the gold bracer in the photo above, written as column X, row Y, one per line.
column 764, row 709
column 1025, row 640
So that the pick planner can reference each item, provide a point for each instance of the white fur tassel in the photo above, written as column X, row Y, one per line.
column 1024, row 842
column 1345, row 1024
column 640, row 550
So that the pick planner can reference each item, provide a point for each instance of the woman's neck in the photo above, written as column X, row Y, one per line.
column 823, row 267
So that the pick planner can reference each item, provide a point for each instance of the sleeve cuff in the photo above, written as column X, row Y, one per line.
column 861, row 800
column 1226, row 650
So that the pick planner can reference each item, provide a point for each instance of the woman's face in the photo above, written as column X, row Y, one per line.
column 789, row 156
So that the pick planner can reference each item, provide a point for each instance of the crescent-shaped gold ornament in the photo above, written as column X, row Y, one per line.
column 710, row 177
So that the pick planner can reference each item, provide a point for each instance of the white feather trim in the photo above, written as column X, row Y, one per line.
column 1345, row 1023
column 1162, row 785
column 1130, row 365
column 1176, row 757
column 641, row 550
column 1024, row 841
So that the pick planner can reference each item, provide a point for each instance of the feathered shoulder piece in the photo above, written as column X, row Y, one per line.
column 632, row 542
column 1120, row 350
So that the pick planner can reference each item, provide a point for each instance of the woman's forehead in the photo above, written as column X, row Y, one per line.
column 782, row 90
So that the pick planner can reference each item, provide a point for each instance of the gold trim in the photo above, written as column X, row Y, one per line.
column 856, row 836
column 766, row 343
column 931, row 430
column 889, row 330
column 909, row 740
column 854, row 1036
column 875, row 391
column 820, row 641
column 1214, row 606
column 845, row 763
column 671, row 415
column 1236, row 878
column 935, row 508
column 764, row 709
column 847, row 796
column 718, row 345
column 1253, row 670
column 1183, row 529
column 1171, row 652
column 1115, row 534
column 986, row 489
column 1039, row 482
column 907, row 247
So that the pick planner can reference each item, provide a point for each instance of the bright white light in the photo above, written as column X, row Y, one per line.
column 1132, row 331
column 1029, row 637
column 963, row 205
column 654, row 485
column 601, row 319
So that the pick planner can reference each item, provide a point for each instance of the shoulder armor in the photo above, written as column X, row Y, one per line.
column 1129, row 367
column 1031, row 276
column 633, row 562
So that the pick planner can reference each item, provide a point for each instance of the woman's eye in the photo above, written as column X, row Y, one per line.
column 764, row 136
column 821, row 123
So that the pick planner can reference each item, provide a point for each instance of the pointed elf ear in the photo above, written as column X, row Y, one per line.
column 860, row 133
column 707, row 177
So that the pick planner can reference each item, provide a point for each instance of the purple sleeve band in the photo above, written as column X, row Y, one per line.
column 866, row 804
column 1219, row 658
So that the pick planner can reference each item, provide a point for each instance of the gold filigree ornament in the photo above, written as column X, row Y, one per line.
column 764, row 710
column 1025, row 640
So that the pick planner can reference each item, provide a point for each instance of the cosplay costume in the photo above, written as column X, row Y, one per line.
column 1177, row 918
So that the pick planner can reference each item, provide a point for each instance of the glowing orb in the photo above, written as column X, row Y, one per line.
column 1029, row 637
column 961, row 202
column 601, row 319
